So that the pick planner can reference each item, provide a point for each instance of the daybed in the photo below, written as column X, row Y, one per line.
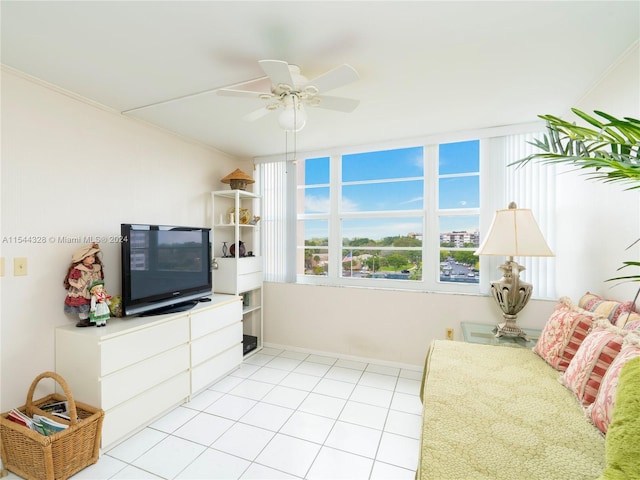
column 497, row 412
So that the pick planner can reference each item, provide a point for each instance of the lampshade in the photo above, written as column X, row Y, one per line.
column 514, row 233
column 293, row 118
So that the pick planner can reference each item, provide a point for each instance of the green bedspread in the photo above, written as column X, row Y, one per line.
column 493, row 412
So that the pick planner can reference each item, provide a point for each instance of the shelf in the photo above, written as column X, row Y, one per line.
column 242, row 225
column 237, row 275
column 250, row 309
column 234, row 193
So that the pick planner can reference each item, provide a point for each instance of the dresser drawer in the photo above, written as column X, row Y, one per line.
column 128, row 417
column 213, row 319
column 125, row 350
column 249, row 281
column 206, row 347
column 208, row 372
column 249, row 265
column 135, row 379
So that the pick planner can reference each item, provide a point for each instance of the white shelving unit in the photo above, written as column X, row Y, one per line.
column 239, row 270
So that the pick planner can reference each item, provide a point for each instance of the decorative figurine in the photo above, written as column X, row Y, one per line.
column 115, row 307
column 238, row 180
column 85, row 268
column 100, row 301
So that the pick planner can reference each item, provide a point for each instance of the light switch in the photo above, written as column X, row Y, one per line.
column 19, row 266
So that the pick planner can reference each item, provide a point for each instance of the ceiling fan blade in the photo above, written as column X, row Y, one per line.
column 335, row 78
column 229, row 92
column 340, row 104
column 256, row 114
column 278, row 71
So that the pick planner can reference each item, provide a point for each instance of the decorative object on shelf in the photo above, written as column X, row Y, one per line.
column 116, row 306
column 85, row 268
column 254, row 220
column 238, row 180
column 225, row 249
column 100, row 301
column 241, row 249
column 242, row 218
column 513, row 233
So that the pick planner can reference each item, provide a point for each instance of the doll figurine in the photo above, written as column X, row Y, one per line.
column 85, row 269
column 99, row 312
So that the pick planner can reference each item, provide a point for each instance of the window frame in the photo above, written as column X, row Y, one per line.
column 429, row 213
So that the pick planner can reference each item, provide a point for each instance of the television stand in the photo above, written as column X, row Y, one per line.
column 176, row 307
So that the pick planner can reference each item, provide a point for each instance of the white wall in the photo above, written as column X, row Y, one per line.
column 595, row 223
column 387, row 325
column 72, row 169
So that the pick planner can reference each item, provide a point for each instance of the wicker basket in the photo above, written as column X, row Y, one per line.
column 32, row 455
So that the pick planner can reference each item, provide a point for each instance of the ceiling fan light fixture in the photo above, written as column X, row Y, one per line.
column 293, row 118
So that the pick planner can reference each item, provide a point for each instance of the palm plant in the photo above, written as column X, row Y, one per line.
column 608, row 151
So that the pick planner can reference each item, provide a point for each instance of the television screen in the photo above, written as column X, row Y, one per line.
column 164, row 268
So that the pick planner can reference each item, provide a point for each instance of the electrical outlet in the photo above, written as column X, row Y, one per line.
column 449, row 333
column 19, row 266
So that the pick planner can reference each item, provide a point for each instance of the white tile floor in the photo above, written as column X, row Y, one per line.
column 283, row 414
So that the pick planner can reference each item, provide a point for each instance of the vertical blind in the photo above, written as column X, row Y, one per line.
column 276, row 185
column 533, row 186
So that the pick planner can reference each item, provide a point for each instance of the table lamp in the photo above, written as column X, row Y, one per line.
column 513, row 233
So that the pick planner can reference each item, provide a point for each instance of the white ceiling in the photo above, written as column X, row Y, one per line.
column 425, row 67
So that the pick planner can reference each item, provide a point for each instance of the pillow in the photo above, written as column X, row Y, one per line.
column 563, row 333
column 628, row 318
column 622, row 448
column 610, row 309
column 601, row 410
column 632, row 326
column 597, row 351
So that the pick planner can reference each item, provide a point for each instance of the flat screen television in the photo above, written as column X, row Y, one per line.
column 164, row 268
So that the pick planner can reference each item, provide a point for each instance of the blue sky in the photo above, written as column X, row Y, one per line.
column 404, row 193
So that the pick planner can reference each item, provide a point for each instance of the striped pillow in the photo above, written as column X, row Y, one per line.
column 563, row 333
column 632, row 326
column 628, row 321
column 584, row 374
column 611, row 309
column 601, row 410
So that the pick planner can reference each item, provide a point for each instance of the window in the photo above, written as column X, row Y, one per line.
column 409, row 217
column 378, row 226
column 459, row 211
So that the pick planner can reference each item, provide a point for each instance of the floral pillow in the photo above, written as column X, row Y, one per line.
column 596, row 353
column 601, row 410
column 611, row 309
column 563, row 333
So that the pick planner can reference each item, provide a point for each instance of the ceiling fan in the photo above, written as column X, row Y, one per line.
column 292, row 93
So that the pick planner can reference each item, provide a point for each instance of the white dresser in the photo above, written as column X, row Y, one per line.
column 138, row 368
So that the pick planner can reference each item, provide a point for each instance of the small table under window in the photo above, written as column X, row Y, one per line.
column 485, row 334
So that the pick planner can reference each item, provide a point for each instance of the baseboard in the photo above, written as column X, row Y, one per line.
column 354, row 358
